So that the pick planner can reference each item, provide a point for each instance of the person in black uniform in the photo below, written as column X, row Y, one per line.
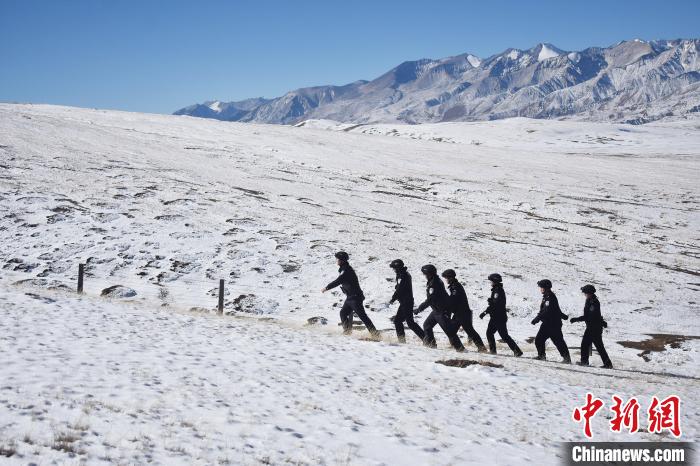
column 438, row 300
column 353, row 295
column 404, row 295
column 459, row 306
column 594, row 328
column 551, row 316
column 497, row 310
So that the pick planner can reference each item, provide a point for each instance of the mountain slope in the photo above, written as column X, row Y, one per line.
column 125, row 383
column 633, row 81
column 168, row 206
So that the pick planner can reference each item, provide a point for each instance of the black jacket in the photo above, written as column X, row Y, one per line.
column 497, row 304
column 459, row 304
column 550, row 314
column 348, row 282
column 436, row 296
column 404, row 288
column 591, row 314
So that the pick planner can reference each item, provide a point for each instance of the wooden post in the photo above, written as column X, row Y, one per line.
column 221, row 296
column 81, row 272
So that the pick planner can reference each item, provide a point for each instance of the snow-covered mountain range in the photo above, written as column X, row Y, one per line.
column 633, row 81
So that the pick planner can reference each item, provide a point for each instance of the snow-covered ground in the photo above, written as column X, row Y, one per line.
column 168, row 205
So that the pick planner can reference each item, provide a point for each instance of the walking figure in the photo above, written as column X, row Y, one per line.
column 551, row 317
column 403, row 293
column 437, row 299
column 499, row 316
column 594, row 328
column 348, row 282
column 461, row 312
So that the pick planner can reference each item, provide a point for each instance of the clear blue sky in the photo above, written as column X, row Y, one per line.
column 158, row 56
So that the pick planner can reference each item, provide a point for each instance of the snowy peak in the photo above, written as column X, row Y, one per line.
column 473, row 60
column 538, row 53
column 514, row 54
column 463, row 59
column 626, row 53
column 228, row 111
column 632, row 81
column 545, row 51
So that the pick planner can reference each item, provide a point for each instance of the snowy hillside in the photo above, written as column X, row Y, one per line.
column 632, row 81
column 166, row 206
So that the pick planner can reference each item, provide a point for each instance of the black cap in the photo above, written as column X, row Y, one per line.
column 589, row 289
column 429, row 269
column 449, row 273
column 546, row 284
column 495, row 277
column 396, row 264
column 342, row 255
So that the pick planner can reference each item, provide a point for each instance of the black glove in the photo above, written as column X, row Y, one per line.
column 573, row 320
column 534, row 321
column 481, row 316
column 392, row 301
column 605, row 324
column 564, row 317
column 416, row 312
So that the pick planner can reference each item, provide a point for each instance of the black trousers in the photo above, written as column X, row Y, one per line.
column 464, row 320
column 554, row 332
column 351, row 305
column 595, row 336
column 443, row 320
column 405, row 314
column 502, row 329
